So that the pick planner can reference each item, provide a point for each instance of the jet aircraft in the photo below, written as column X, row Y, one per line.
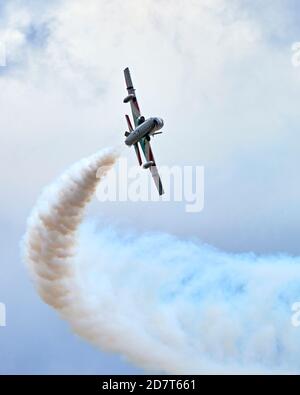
column 141, row 133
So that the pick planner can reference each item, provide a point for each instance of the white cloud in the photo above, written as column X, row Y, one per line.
column 227, row 93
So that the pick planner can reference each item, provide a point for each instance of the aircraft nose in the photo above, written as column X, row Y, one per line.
column 160, row 122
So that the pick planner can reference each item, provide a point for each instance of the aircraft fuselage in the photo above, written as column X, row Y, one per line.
column 148, row 127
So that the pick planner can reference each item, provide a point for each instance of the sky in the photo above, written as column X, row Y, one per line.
column 221, row 76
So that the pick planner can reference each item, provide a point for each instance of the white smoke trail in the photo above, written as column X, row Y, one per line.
column 167, row 304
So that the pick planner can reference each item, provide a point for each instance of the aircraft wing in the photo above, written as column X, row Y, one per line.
column 131, row 91
column 146, row 148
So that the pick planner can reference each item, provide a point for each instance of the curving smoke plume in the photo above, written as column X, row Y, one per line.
column 167, row 304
